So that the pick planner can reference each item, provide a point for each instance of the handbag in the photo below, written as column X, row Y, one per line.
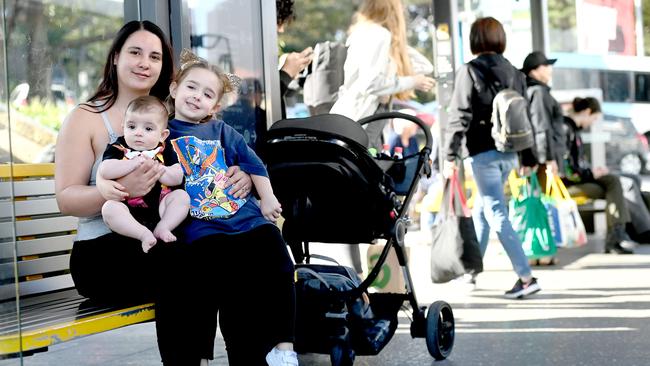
column 529, row 219
column 455, row 249
column 566, row 223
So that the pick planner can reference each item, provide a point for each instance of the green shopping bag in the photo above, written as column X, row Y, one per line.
column 530, row 220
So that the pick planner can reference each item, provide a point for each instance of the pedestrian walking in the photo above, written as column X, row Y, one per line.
column 470, row 120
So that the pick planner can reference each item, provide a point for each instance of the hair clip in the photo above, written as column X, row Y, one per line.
column 188, row 58
column 234, row 82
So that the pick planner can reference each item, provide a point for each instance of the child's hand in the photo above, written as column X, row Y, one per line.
column 110, row 189
column 271, row 208
column 139, row 160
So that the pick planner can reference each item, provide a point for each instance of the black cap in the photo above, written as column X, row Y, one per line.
column 535, row 59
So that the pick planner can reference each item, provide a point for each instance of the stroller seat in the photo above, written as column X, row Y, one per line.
column 330, row 187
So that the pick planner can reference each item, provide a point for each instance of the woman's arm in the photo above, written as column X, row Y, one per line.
column 460, row 114
column 372, row 53
column 75, row 157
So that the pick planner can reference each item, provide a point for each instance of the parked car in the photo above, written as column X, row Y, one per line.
column 626, row 151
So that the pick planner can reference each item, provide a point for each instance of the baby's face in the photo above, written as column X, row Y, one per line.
column 143, row 130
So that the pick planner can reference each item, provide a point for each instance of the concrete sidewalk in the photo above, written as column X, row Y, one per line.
column 594, row 309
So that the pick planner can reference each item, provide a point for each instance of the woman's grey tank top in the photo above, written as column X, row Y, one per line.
column 93, row 226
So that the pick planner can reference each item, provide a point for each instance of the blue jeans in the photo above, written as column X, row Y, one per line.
column 491, row 169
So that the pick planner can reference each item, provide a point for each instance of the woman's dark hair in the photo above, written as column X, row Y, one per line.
column 580, row 104
column 284, row 11
column 487, row 35
column 107, row 90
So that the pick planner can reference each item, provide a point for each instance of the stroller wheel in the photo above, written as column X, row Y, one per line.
column 440, row 330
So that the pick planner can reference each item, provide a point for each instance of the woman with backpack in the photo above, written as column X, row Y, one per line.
column 470, row 118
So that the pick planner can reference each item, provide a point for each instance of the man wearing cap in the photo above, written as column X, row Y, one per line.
column 545, row 112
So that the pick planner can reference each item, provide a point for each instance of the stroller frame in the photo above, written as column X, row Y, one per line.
column 435, row 324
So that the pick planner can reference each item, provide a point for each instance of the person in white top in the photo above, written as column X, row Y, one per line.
column 379, row 65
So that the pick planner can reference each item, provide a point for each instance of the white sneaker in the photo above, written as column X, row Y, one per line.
column 282, row 358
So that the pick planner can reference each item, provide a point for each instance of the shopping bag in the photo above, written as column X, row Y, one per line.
column 455, row 249
column 390, row 279
column 530, row 221
column 569, row 230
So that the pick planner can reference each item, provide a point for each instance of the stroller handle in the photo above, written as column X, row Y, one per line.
column 388, row 115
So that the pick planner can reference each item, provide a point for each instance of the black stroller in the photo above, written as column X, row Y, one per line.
column 332, row 190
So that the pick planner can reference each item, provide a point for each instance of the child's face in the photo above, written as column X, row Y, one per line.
column 197, row 95
column 143, row 130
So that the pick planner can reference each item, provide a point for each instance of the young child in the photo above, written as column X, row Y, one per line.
column 223, row 226
column 145, row 131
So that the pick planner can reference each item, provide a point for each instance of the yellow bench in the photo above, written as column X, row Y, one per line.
column 51, row 310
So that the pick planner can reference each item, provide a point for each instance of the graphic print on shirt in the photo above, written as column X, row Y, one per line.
column 204, row 166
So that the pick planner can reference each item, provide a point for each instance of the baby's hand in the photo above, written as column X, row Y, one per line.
column 271, row 208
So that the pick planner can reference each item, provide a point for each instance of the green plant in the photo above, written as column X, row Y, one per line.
column 46, row 113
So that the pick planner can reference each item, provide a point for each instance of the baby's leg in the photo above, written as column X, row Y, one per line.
column 119, row 219
column 173, row 210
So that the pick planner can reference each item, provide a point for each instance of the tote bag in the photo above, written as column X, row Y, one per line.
column 530, row 221
column 455, row 249
column 569, row 230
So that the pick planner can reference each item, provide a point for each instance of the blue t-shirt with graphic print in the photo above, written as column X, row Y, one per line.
column 205, row 151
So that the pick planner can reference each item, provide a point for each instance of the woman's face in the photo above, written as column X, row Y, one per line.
column 588, row 118
column 139, row 62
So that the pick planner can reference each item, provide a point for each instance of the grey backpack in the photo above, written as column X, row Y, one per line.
column 511, row 127
column 326, row 76
column 512, row 130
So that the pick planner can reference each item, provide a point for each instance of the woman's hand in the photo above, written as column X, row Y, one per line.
column 142, row 179
column 600, row 171
column 424, row 83
column 551, row 166
column 240, row 181
column 448, row 168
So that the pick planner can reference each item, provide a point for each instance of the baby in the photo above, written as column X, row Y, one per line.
column 157, row 213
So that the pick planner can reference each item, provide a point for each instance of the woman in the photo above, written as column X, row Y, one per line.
column 139, row 62
column 378, row 68
column 379, row 65
column 597, row 183
column 469, row 118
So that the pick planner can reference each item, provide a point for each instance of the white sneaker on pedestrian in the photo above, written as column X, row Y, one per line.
column 282, row 358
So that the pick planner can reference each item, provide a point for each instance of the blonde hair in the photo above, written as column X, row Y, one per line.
column 189, row 61
column 390, row 15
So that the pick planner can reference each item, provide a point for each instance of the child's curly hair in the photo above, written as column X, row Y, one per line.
column 284, row 11
column 229, row 82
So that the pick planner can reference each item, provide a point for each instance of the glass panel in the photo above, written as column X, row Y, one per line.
column 328, row 20
column 515, row 17
column 575, row 79
column 616, row 86
column 642, row 87
column 592, row 26
column 231, row 39
column 8, row 299
column 51, row 57
column 55, row 54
